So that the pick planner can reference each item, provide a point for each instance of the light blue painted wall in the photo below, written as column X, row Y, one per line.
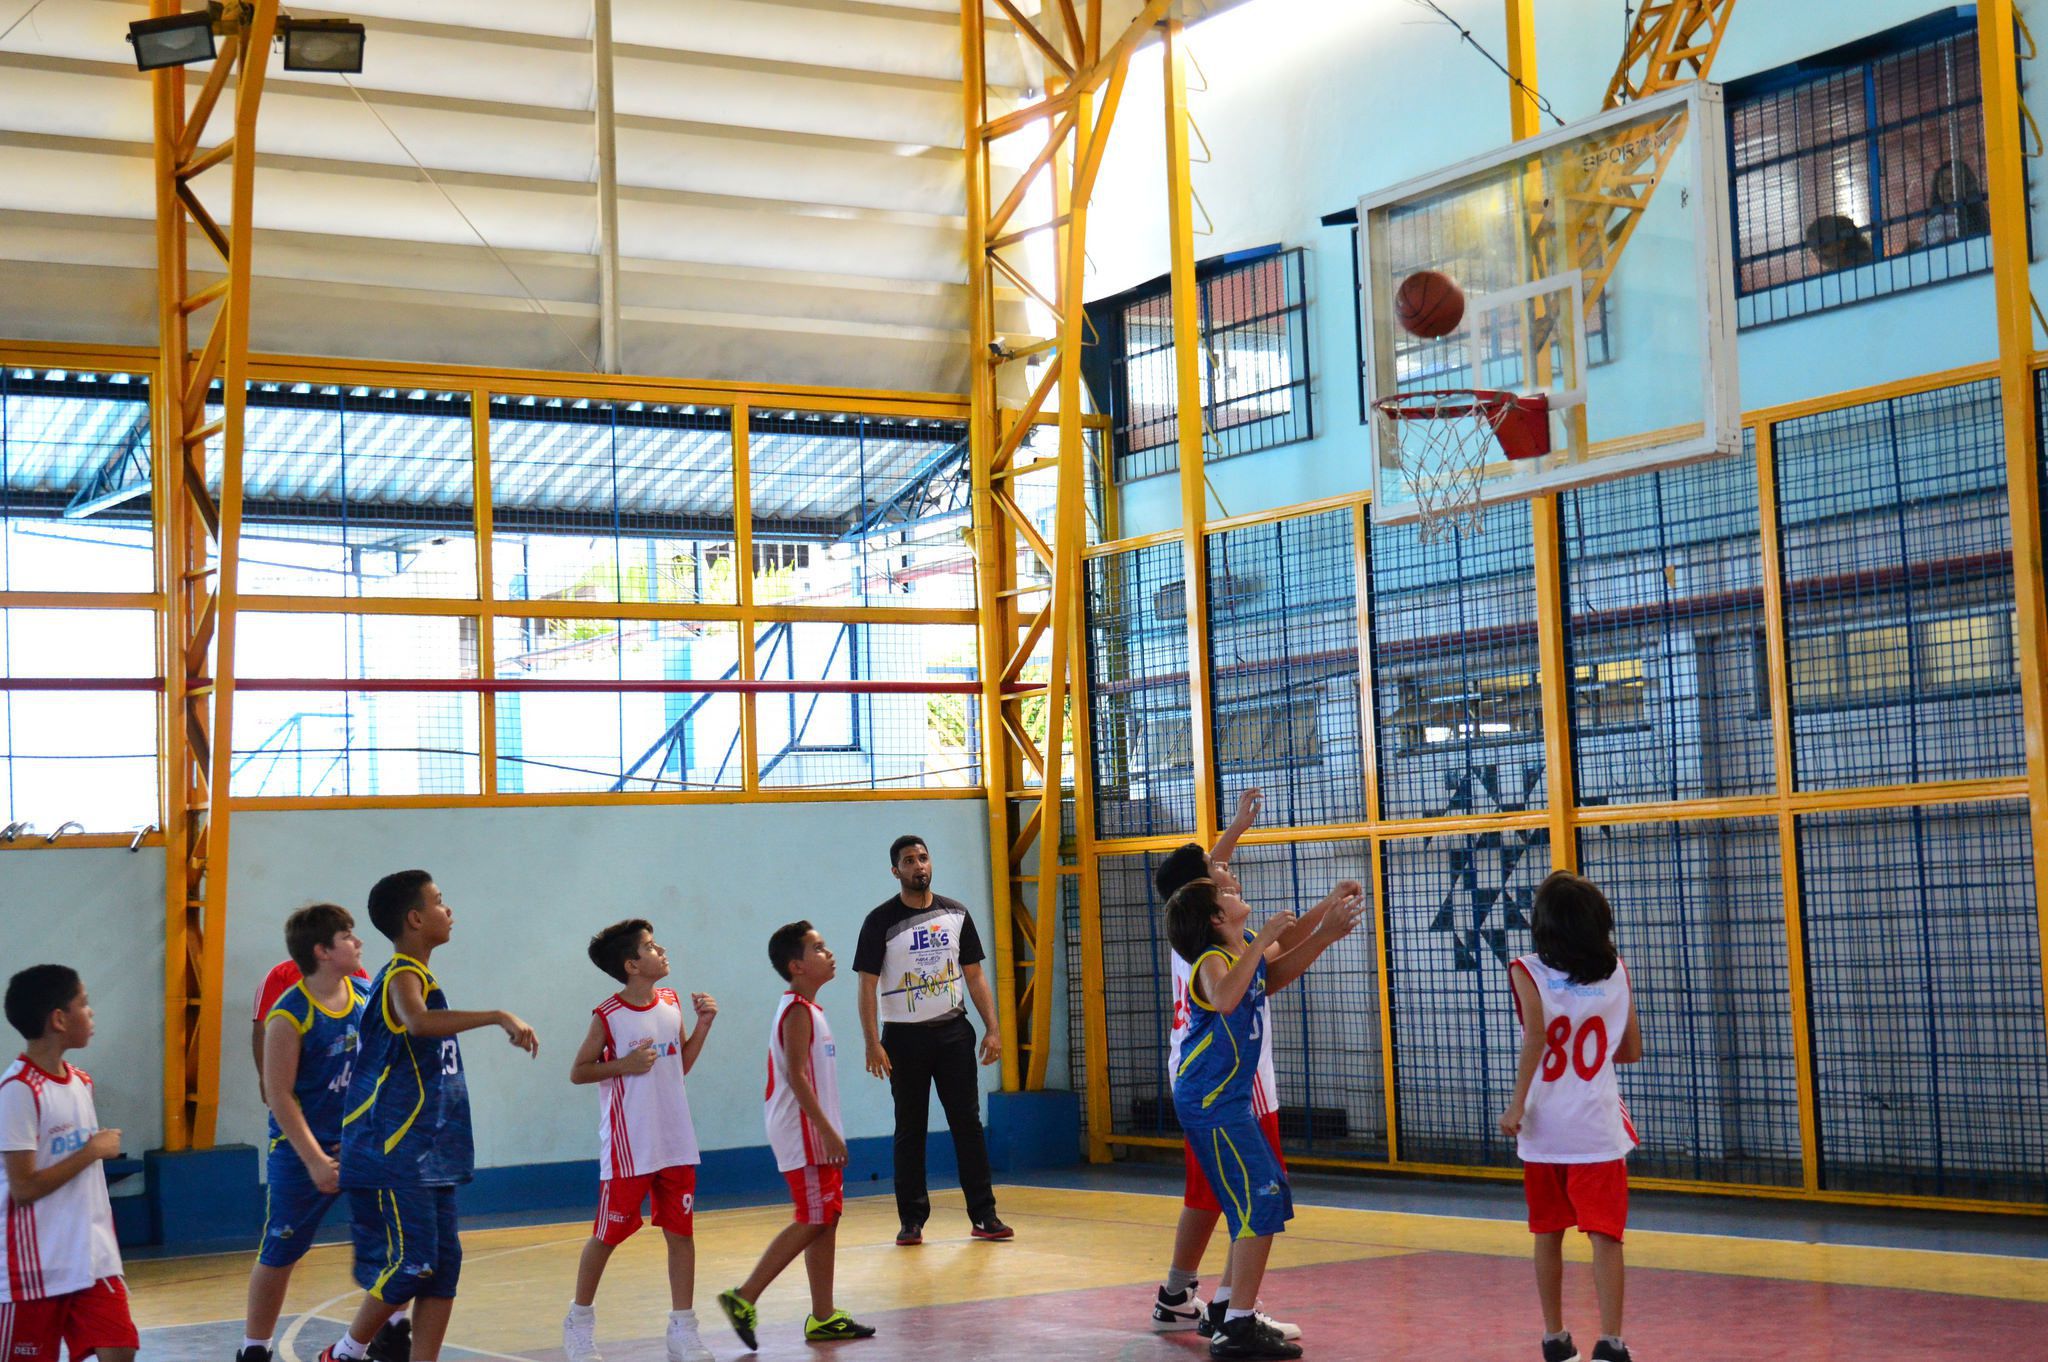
column 100, row 912
column 1310, row 105
column 529, row 886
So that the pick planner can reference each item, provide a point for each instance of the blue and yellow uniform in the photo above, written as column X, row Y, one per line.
column 293, row 1207
column 1212, row 1095
column 405, row 1146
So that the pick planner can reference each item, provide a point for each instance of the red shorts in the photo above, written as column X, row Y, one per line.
column 619, row 1199
column 82, row 1322
column 1199, row 1195
column 1593, row 1196
column 819, row 1190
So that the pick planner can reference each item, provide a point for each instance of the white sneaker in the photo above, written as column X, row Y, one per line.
column 1289, row 1332
column 684, row 1345
column 1173, row 1312
column 579, row 1340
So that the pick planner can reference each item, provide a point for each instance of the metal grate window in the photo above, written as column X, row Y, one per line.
column 865, row 741
column 1665, row 597
column 1254, row 364
column 1924, row 965
column 1137, row 995
column 1899, row 591
column 1860, row 172
column 1699, row 914
column 89, row 756
column 1143, row 740
column 75, row 487
column 1283, row 643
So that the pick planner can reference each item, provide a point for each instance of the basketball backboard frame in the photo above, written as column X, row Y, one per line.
column 1592, row 440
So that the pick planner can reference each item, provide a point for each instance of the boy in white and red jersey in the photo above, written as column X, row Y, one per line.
column 1177, row 1306
column 1571, row 1128
column 63, row 1281
column 802, row 1110
column 638, row 1049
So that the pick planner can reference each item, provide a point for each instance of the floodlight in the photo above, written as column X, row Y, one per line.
column 334, row 45
column 175, row 40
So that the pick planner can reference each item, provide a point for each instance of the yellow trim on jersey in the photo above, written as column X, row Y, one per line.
column 1189, row 1058
column 403, row 964
column 1236, row 1063
column 355, row 998
column 1244, row 1207
column 302, row 1027
column 1195, row 974
column 369, row 1101
column 397, row 1259
column 419, row 1083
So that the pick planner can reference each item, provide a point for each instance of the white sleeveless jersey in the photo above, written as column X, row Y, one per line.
column 1575, row 1113
column 64, row 1242
column 1265, row 1090
column 790, row 1132
column 645, row 1122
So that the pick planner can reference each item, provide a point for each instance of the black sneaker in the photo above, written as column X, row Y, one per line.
column 1250, row 1339
column 1560, row 1350
column 393, row 1342
column 253, row 1353
column 1212, row 1319
column 1172, row 1311
column 909, row 1236
column 1603, row 1351
column 991, row 1228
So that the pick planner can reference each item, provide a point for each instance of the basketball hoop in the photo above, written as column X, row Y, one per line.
column 1442, row 440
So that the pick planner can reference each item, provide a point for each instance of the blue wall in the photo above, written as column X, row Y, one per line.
column 1310, row 105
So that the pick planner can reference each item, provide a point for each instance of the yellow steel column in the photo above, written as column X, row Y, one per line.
column 1526, row 119
column 1190, row 423
column 1780, row 699
column 1999, row 60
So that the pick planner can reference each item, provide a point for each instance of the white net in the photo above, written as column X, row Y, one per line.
column 1443, row 441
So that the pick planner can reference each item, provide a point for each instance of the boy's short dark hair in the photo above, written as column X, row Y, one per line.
column 786, row 946
column 1573, row 927
column 35, row 993
column 902, row 844
column 611, row 948
column 314, row 925
column 392, row 897
column 1183, row 865
column 1191, row 918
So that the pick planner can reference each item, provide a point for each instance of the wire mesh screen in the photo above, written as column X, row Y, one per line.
column 1930, row 1062
column 866, row 741
column 860, row 510
column 1254, row 367
column 1137, row 983
column 611, row 501
column 75, row 482
column 1699, row 912
column 1143, row 739
column 352, row 491
column 1283, row 645
column 617, row 741
column 1864, row 179
column 306, row 743
column 1457, row 913
column 1076, row 987
column 1455, row 664
column 1326, row 1027
column 88, row 756
column 1898, row 591
column 1664, row 582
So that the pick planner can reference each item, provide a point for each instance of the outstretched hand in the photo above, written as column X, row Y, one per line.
column 1248, row 802
column 520, row 1034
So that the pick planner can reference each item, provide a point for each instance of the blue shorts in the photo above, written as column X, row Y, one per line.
column 1249, row 1181
column 406, row 1244
column 292, row 1207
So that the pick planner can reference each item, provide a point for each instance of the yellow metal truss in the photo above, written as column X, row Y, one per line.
column 198, row 539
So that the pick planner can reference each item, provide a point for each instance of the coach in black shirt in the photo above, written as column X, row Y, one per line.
column 919, row 958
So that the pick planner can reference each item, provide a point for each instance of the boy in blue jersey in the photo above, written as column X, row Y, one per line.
column 309, row 1048
column 405, row 1136
column 1231, row 970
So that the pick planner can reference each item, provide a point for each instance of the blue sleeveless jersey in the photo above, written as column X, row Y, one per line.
column 327, row 1053
column 1220, row 1056
column 407, row 1117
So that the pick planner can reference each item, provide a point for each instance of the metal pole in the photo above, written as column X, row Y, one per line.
column 607, row 189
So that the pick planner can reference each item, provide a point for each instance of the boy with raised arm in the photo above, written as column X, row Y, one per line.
column 638, row 1049
column 405, row 1135
column 803, row 1129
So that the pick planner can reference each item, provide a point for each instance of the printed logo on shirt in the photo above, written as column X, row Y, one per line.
column 930, row 939
column 68, row 1139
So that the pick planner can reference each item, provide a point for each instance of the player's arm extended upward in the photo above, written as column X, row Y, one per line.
column 409, row 1001
column 796, row 1057
column 1336, row 917
column 1224, row 989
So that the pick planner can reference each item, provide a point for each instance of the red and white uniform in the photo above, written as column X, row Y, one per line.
column 1574, row 1113
column 645, row 1124
column 790, row 1132
column 63, row 1243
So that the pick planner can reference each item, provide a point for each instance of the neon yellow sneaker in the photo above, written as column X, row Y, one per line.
column 741, row 1314
column 834, row 1327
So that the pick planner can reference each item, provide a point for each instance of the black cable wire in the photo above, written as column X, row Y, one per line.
column 1466, row 33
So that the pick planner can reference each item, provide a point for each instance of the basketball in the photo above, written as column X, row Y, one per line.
column 1429, row 304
